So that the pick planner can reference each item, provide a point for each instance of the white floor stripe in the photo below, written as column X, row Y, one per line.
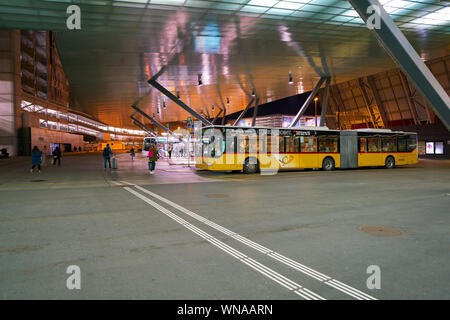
column 275, row 276
column 274, row 255
column 116, row 183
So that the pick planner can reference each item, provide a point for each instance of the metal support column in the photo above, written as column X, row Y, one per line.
column 244, row 111
column 157, row 123
column 323, row 113
column 172, row 97
column 404, row 55
column 307, row 102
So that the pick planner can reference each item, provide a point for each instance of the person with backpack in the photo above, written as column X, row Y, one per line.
column 36, row 159
column 132, row 153
column 169, row 150
column 57, row 156
column 152, row 158
column 107, row 152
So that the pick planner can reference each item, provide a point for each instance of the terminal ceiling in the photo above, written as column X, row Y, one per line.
column 232, row 46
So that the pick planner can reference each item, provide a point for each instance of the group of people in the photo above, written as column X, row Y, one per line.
column 39, row 157
column 153, row 156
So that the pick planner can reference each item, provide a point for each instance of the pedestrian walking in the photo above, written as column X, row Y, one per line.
column 152, row 158
column 132, row 153
column 36, row 159
column 57, row 156
column 107, row 152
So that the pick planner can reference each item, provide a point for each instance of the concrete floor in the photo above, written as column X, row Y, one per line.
column 127, row 247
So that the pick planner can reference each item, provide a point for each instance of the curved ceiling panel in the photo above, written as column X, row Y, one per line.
column 233, row 47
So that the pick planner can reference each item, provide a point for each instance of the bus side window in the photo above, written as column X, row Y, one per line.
column 281, row 144
column 411, row 143
column 389, row 144
column 289, row 143
column 373, row 144
column 296, row 144
column 270, row 146
column 328, row 144
column 231, row 145
column 308, row 144
column 401, row 144
column 362, row 144
column 262, row 144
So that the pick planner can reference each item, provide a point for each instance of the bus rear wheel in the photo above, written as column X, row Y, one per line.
column 251, row 166
column 390, row 162
column 328, row 164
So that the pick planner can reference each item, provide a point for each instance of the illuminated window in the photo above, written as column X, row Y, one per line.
column 308, row 144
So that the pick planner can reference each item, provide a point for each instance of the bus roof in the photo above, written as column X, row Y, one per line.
column 294, row 128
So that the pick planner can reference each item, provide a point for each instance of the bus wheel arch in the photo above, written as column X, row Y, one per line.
column 250, row 166
column 328, row 163
column 389, row 163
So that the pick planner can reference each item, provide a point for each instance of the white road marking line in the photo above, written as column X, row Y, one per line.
column 116, row 183
column 130, row 184
column 275, row 276
column 285, row 260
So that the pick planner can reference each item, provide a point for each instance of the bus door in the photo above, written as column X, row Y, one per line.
column 349, row 149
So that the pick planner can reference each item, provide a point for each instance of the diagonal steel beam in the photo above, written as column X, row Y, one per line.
column 381, row 107
column 323, row 114
column 404, row 55
column 255, row 110
column 143, row 126
column 172, row 97
column 307, row 102
column 244, row 111
column 157, row 123
column 217, row 116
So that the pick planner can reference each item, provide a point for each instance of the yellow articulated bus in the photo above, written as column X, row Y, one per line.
column 254, row 149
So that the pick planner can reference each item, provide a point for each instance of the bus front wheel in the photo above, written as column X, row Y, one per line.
column 328, row 164
column 251, row 165
column 390, row 162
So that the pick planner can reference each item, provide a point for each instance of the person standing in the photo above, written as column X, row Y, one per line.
column 57, row 156
column 152, row 158
column 169, row 151
column 107, row 152
column 44, row 157
column 36, row 159
column 132, row 153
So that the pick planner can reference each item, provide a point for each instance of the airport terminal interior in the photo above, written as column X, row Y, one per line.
column 225, row 150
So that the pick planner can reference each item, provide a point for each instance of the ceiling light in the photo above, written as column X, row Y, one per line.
column 200, row 79
column 290, row 78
